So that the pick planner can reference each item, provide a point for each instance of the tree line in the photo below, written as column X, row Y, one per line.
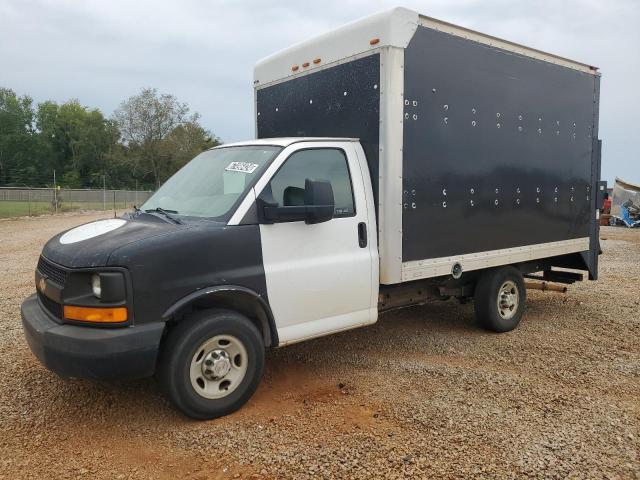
column 148, row 138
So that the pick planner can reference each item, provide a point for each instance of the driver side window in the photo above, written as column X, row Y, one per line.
column 287, row 185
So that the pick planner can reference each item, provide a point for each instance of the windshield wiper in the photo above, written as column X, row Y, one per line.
column 166, row 213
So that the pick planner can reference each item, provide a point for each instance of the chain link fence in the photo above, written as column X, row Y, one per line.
column 23, row 201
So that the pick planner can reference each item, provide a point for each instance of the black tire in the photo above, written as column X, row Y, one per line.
column 180, row 348
column 488, row 289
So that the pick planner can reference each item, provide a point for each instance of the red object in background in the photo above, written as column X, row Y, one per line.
column 606, row 206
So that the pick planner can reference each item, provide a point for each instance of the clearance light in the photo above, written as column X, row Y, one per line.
column 374, row 41
column 305, row 64
column 316, row 61
column 97, row 315
column 295, row 68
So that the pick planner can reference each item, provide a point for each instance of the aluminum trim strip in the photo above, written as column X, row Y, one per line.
column 436, row 267
column 391, row 164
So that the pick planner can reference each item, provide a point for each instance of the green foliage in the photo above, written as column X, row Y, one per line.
column 17, row 136
column 160, row 133
column 149, row 138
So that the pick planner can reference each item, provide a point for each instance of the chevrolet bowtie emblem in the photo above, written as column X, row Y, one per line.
column 42, row 284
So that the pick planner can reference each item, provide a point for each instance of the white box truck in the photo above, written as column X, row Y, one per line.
column 397, row 159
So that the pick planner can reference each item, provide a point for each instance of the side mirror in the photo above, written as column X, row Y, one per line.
column 318, row 206
column 318, row 199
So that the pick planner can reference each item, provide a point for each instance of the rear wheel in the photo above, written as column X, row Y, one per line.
column 499, row 299
column 212, row 363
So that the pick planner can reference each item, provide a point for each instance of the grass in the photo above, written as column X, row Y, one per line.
column 10, row 208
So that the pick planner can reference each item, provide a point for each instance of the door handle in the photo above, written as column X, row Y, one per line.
column 362, row 234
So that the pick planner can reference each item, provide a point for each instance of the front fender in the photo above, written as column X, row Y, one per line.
column 234, row 297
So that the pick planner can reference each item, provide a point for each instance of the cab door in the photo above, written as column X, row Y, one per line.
column 321, row 278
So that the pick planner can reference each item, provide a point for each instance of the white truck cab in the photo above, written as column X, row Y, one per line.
column 321, row 277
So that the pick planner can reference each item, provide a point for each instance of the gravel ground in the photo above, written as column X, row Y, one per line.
column 423, row 393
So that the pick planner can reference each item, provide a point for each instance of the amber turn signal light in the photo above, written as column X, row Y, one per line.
column 96, row 315
column 316, row 61
column 294, row 68
column 374, row 41
column 305, row 64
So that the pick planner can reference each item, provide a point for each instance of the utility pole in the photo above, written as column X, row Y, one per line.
column 55, row 192
column 104, row 193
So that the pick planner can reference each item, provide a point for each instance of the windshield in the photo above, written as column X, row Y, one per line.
column 213, row 182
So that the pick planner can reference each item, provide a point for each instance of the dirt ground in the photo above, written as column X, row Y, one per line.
column 423, row 393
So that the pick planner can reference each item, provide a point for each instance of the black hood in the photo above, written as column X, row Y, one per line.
column 95, row 252
column 167, row 261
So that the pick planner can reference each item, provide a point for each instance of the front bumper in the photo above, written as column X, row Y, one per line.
column 86, row 352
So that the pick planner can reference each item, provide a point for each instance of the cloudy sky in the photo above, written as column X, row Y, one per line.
column 203, row 51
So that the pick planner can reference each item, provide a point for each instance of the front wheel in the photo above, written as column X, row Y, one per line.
column 499, row 299
column 212, row 363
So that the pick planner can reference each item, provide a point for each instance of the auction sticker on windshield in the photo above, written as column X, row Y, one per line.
column 244, row 167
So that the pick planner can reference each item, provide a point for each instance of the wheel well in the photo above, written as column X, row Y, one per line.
column 465, row 286
column 238, row 301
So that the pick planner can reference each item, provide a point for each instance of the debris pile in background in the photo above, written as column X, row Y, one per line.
column 625, row 205
column 630, row 214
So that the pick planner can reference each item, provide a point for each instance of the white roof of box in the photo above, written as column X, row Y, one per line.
column 392, row 28
column 285, row 141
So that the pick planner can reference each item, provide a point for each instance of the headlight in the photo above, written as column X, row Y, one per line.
column 96, row 286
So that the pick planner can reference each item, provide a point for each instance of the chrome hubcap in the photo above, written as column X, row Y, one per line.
column 508, row 300
column 218, row 366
